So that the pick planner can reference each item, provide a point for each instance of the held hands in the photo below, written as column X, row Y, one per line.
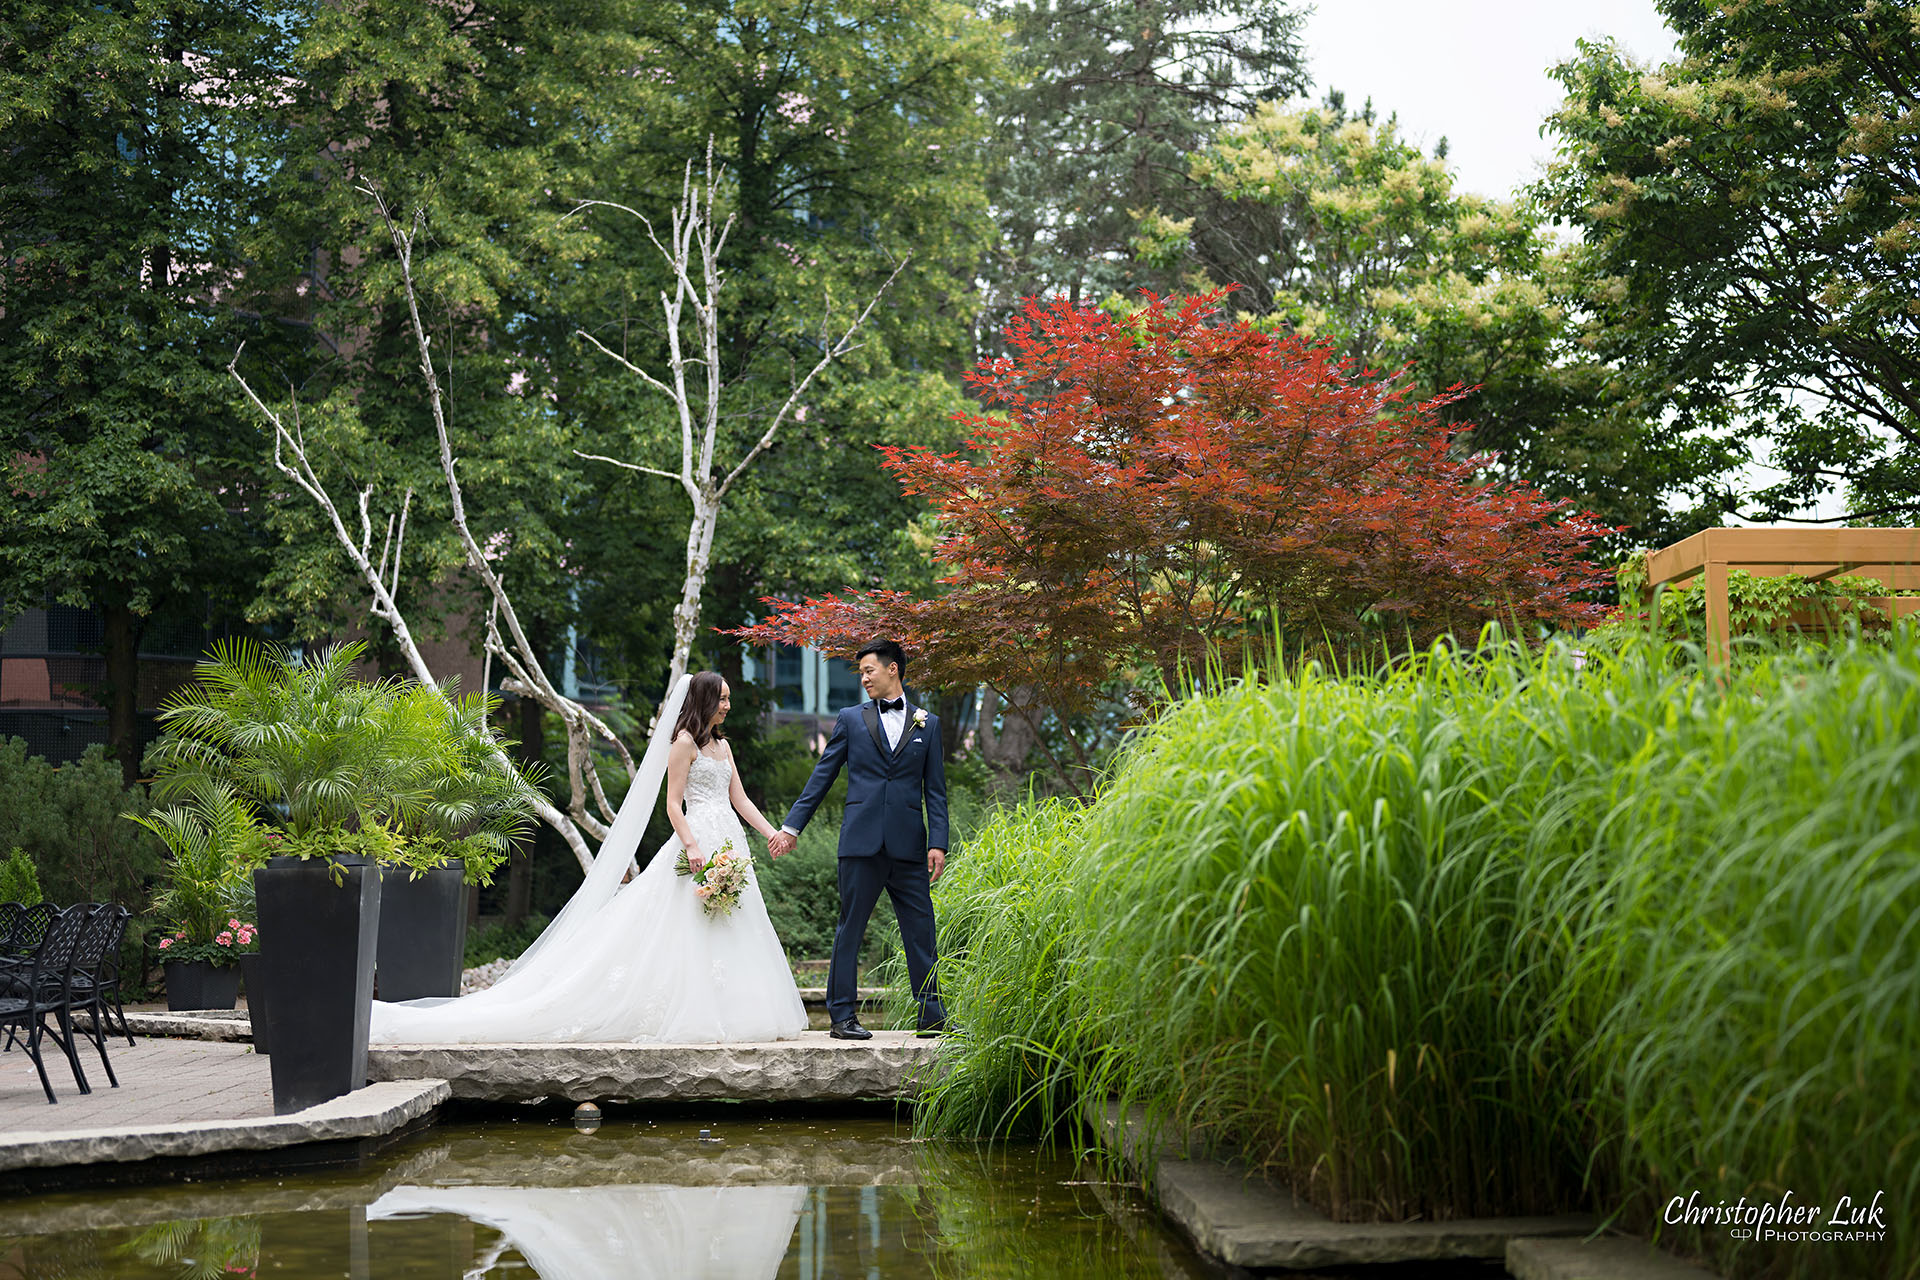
column 779, row 844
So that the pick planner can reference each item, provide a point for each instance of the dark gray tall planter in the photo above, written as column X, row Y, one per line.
column 317, row 946
column 201, row 984
column 255, row 980
column 423, row 933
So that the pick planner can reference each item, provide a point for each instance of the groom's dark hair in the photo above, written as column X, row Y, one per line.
column 886, row 651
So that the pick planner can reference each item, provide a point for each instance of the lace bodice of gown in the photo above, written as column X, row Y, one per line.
column 709, row 800
column 709, row 782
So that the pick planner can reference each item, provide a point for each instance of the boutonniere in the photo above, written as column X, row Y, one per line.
column 919, row 717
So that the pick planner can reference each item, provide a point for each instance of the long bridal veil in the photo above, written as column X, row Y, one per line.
column 616, row 856
column 499, row 1013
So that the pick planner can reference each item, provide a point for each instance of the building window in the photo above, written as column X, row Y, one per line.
column 843, row 684
column 789, row 678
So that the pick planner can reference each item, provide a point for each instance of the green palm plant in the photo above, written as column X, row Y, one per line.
column 461, row 804
column 214, row 841
column 199, row 1248
column 393, row 769
column 300, row 737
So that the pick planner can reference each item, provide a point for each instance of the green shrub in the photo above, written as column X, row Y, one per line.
column 18, row 880
column 1491, row 933
column 803, row 889
column 69, row 821
column 502, row 941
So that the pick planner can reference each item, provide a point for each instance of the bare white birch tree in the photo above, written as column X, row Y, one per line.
column 694, row 244
column 527, row 675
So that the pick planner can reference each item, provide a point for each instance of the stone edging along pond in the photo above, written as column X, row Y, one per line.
column 378, row 1111
column 1247, row 1222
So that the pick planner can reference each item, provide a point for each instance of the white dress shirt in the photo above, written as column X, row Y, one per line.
column 893, row 724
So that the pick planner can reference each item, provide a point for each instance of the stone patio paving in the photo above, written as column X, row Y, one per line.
column 161, row 1081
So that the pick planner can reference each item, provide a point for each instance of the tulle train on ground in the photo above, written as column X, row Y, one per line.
column 651, row 966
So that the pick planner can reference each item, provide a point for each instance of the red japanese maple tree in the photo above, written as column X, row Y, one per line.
column 1145, row 489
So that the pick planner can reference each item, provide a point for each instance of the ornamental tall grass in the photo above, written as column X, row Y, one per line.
column 1493, row 932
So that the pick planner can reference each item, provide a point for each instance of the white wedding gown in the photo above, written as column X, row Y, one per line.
column 646, row 965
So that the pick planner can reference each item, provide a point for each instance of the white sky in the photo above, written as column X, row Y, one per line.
column 1473, row 71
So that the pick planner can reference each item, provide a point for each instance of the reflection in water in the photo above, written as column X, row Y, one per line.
column 826, row 1200
column 584, row 1233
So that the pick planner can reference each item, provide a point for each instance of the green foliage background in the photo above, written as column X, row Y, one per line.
column 70, row 821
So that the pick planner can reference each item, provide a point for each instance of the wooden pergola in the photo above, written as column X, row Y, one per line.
column 1890, row 555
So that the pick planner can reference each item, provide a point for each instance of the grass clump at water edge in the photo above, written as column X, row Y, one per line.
column 1496, row 932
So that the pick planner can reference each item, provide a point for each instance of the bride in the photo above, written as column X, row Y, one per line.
column 641, row 961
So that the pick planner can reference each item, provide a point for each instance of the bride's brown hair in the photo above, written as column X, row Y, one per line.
column 696, row 713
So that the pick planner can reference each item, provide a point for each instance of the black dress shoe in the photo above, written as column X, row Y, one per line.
column 850, row 1029
column 929, row 1027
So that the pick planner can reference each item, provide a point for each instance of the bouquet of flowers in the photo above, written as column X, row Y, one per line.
column 721, row 880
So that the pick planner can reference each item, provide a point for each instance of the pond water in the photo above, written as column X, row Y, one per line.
column 757, row 1199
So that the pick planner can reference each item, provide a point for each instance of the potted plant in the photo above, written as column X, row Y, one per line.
column 206, row 974
column 213, row 842
column 312, row 747
column 356, row 777
column 458, row 814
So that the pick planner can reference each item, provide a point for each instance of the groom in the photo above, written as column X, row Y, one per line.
column 892, row 754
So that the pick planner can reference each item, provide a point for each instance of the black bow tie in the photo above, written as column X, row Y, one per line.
column 898, row 704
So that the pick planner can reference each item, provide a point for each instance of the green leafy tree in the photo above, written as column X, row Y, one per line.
column 485, row 117
column 1750, row 220
column 135, row 136
column 1336, row 228
column 1105, row 105
column 850, row 141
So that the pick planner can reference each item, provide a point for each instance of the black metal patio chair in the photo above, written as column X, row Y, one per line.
column 105, row 923
column 10, row 913
column 48, row 989
column 16, row 951
column 97, row 986
column 24, row 931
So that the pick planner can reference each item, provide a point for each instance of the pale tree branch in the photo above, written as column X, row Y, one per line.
column 695, row 231
column 630, row 466
column 521, row 656
column 628, row 365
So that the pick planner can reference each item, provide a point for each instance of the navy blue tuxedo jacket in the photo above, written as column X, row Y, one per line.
column 886, row 790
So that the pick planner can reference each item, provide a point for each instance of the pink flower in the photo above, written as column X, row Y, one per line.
column 233, row 924
column 795, row 107
column 246, row 937
column 223, row 938
column 165, row 943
